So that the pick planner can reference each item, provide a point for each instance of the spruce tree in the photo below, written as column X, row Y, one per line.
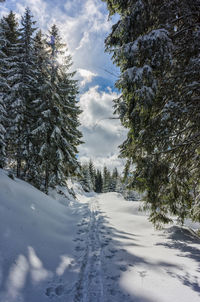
column 92, row 173
column 156, row 45
column 3, row 89
column 28, row 84
column 9, row 76
column 40, row 109
column 98, row 182
column 20, row 76
column 3, row 118
column 2, row 132
column 59, row 128
column 106, row 180
column 114, row 180
column 85, row 180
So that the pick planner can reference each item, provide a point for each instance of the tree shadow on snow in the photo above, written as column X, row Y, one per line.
column 184, row 241
column 35, row 270
column 117, row 261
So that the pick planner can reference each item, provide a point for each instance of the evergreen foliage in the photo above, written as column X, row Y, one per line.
column 8, row 74
column 114, row 180
column 2, row 132
column 98, row 182
column 85, row 179
column 27, row 83
column 156, row 45
column 93, row 179
column 106, row 180
column 92, row 173
column 59, row 124
column 38, row 107
column 3, row 88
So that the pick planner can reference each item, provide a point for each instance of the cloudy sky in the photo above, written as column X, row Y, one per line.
column 83, row 25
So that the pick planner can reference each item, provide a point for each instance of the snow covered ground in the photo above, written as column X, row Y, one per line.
column 97, row 249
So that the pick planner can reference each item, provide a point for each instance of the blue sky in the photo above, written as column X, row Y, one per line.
column 84, row 25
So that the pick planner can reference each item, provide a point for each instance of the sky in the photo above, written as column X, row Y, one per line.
column 84, row 25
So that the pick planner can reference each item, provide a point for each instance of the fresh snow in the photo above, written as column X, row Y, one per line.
column 136, row 73
column 98, row 248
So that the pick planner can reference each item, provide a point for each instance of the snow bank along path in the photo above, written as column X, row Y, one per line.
column 97, row 249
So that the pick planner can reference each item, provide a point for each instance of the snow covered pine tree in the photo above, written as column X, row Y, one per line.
column 57, row 127
column 21, row 77
column 9, row 76
column 3, row 88
column 156, row 45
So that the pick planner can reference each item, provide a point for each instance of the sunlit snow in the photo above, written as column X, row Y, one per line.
column 99, row 247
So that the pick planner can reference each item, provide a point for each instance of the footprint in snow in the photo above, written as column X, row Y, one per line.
column 123, row 268
column 113, row 251
column 49, row 291
column 142, row 274
column 58, row 291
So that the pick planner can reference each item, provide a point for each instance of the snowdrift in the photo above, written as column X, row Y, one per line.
column 36, row 242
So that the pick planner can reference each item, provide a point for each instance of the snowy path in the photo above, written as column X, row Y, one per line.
column 90, row 285
column 124, row 259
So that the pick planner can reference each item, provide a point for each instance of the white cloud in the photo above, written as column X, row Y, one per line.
column 3, row 10
column 38, row 8
column 84, row 40
column 101, row 133
column 85, row 32
column 86, row 76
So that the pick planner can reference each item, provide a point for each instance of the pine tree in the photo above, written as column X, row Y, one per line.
column 9, row 76
column 40, row 109
column 28, row 84
column 5, row 66
column 92, row 173
column 2, row 132
column 106, row 180
column 59, row 128
column 22, row 79
column 3, row 88
column 156, row 45
column 114, row 180
column 98, row 182
column 86, row 181
column 70, row 112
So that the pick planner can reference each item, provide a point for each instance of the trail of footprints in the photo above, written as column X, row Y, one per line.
column 94, row 247
column 102, row 234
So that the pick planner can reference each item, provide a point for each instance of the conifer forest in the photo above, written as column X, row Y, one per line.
column 39, row 109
